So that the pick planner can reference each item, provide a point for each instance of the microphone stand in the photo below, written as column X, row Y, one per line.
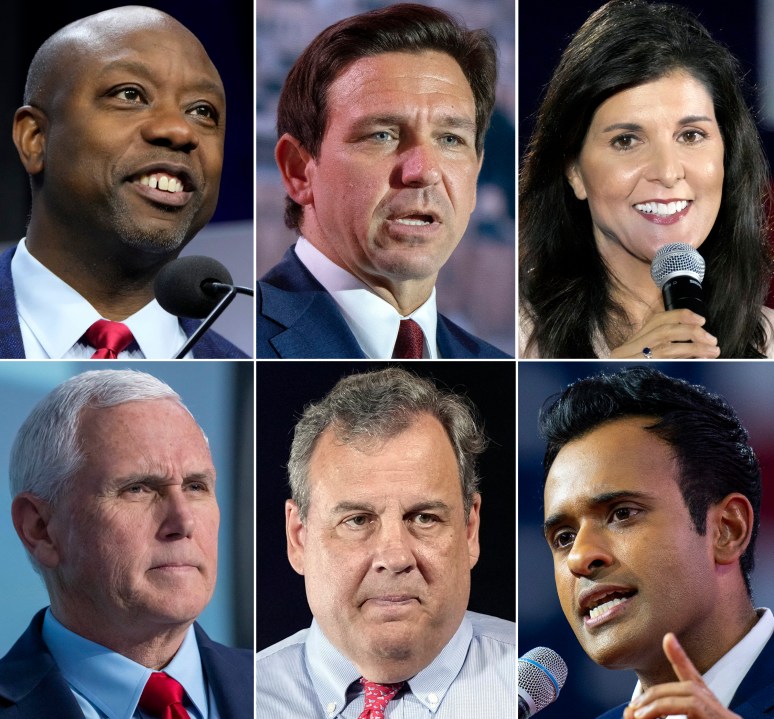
column 231, row 292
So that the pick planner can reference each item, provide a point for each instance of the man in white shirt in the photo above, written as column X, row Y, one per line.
column 122, row 136
column 381, row 127
column 652, row 499
column 384, row 527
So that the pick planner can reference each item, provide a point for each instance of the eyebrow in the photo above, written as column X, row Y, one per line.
column 599, row 500
column 160, row 481
column 347, row 506
column 456, row 122
column 635, row 127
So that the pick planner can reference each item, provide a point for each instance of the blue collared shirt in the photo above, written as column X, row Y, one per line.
column 107, row 685
column 474, row 675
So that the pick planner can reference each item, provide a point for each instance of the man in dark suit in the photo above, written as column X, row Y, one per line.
column 652, row 500
column 381, row 126
column 124, row 149
column 114, row 500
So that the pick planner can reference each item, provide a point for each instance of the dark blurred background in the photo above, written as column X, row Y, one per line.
column 590, row 689
column 226, row 31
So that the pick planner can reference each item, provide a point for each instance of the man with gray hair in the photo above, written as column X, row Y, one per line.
column 384, row 526
column 114, row 500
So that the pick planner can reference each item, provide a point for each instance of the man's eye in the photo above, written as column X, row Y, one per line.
column 563, row 540
column 204, row 110
column 425, row 520
column 623, row 513
column 359, row 520
column 130, row 94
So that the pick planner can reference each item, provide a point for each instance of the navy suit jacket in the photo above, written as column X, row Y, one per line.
column 754, row 699
column 210, row 346
column 298, row 319
column 31, row 686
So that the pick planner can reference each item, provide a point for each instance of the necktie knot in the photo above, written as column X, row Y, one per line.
column 163, row 697
column 410, row 342
column 108, row 338
column 377, row 697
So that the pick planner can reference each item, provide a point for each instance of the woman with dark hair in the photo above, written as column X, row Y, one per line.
column 643, row 138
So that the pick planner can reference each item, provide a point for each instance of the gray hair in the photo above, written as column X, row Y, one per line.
column 379, row 405
column 47, row 452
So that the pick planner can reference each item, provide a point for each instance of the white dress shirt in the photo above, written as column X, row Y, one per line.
column 372, row 320
column 53, row 317
column 724, row 677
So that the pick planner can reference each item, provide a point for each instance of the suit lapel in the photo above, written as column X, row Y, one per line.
column 755, row 695
column 11, row 343
column 229, row 677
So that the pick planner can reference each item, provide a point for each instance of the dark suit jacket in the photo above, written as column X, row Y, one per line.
column 31, row 686
column 754, row 699
column 210, row 346
column 298, row 319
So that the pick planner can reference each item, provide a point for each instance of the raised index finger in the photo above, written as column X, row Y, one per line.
column 682, row 665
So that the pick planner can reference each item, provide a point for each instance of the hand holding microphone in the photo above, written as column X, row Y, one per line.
column 678, row 271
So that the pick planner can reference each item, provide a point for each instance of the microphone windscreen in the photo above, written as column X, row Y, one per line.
column 179, row 286
column 542, row 673
column 676, row 258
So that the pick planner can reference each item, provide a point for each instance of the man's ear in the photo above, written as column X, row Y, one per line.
column 31, row 517
column 29, row 136
column 574, row 177
column 731, row 520
column 296, row 536
column 294, row 164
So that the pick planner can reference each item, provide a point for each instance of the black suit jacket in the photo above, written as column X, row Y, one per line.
column 210, row 346
column 297, row 319
column 31, row 686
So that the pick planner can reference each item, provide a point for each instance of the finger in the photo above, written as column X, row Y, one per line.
column 683, row 667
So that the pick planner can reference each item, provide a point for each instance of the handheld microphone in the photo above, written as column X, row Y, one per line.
column 196, row 287
column 678, row 270
column 542, row 673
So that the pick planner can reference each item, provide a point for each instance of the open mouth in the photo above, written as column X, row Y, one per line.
column 165, row 182
column 603, row 603
column 662, row 209
column 416, row 220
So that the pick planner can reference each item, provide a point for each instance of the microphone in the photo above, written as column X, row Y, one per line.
column 542, row 673
column 196, row 287
column 678, row 270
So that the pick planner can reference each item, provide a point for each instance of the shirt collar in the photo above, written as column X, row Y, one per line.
column 332, row 673
column 57, row 316
column 372, row 320
column 724, row 677
column 112, row 682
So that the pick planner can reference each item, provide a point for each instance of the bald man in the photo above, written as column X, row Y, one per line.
column 121, row 133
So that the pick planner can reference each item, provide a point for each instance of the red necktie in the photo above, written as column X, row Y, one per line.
column 108, row 338
column 377, row 696
column 163, row 697
column 410, row 341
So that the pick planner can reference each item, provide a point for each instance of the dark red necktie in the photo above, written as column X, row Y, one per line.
column 377, row 697
column 163, row 697
column 108, row 338
column 410, row 342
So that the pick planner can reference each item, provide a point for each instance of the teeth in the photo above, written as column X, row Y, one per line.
column 406, row 221
column 662, row 208
column 602, row 608
column 162, row 182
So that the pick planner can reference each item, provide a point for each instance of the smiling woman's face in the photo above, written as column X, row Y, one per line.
column 651, row 168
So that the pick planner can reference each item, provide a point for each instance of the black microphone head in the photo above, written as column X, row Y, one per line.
column 677, row 258
column 542, row 673
column 179, row 287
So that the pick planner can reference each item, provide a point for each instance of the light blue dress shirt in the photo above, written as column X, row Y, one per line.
column 473, row 677
column 107, row 685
